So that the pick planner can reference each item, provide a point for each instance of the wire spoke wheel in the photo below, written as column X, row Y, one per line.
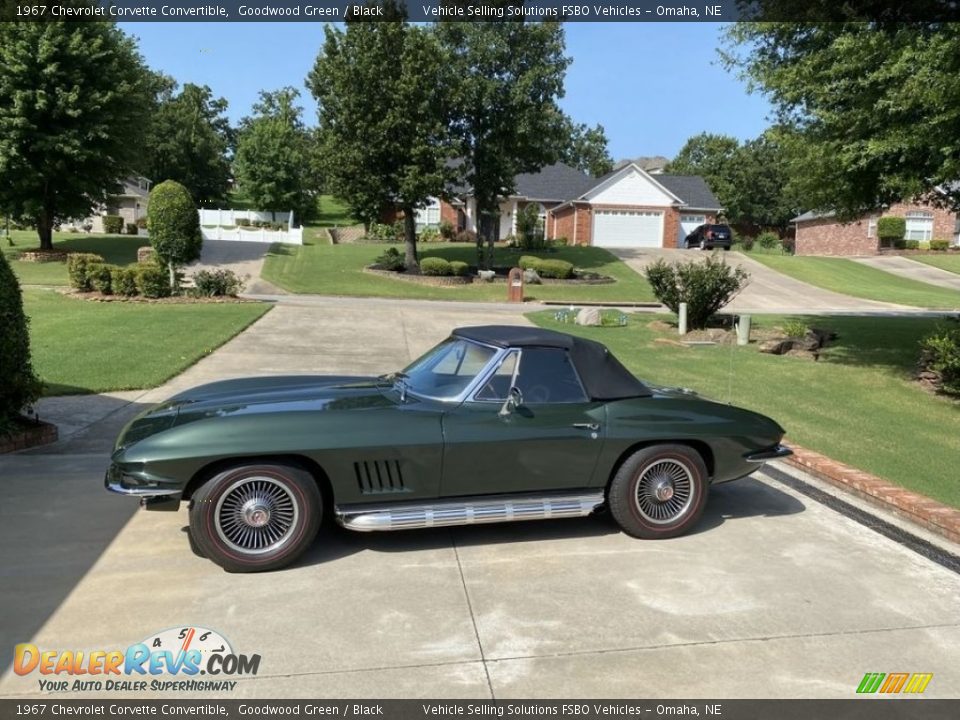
column 665, row 491
column 256, row 515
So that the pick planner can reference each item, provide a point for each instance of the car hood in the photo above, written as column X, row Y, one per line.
column 263, row 395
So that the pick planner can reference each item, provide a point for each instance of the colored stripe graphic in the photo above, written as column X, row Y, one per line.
column 894, row 682
column 870, row 682
column 918, row 682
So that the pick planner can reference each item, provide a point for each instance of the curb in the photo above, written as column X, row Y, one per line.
column 928, row 513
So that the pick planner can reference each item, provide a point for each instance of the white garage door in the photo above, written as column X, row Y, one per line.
column 628, row 228
column 689, row 223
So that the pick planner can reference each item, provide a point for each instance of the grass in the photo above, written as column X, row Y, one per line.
column 85, row 347
column 852, row 278
column 338, row 270
column 115, row 249
column 332, row 212
column 950, row 263
column 858, row 404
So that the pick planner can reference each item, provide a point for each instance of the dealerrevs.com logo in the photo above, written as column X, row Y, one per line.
column 170, row 660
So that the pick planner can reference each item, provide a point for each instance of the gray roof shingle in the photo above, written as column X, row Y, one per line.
column 691, row 189
column 555, row 182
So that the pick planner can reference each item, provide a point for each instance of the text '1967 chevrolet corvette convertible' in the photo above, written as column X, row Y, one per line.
column 494, row 424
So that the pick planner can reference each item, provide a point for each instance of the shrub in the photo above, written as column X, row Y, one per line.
column 429, row 234
column 217, row 283
column 911, row 244
column 142, row 223
column 132, row 229
column 112, row 224
column 379, row 232
column 704, row 286
column 447, row 230
column 559, row 269
column 19, row 385
column 174, row 226
column 467, row 236
column 795, row 328
column 789, row 245
column 746, row 242
column 243, row 222
column 459, row 268
column 939, row 245
column 562, row 240
column 77, row 264
column 391, row 259
column 890, row 230
column 940, row 352
column 99, row 276
column 435, row 266
column 768, row 240
column 528, row 262
column 900, row 244
column 152, row 281
column 529, row 229
column 123, row 280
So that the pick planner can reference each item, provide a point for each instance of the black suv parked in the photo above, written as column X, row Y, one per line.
column 707, row 237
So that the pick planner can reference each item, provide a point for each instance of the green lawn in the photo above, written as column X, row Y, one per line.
column 82, row 346
column 950, row 262
column 858, row 404
column 332, row 212
column 115, row 249
column 338, row 270
column 852, row 278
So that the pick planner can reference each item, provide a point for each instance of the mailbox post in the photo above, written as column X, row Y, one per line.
column 515, row 285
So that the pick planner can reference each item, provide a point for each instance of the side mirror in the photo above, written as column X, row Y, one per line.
column 514, row 400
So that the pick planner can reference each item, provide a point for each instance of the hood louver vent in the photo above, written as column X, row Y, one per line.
column 375, row 477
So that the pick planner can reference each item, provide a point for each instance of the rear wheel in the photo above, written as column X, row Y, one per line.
column 252, row 518
column 659, row 492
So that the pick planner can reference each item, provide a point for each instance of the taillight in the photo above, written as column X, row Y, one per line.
column 709, row 234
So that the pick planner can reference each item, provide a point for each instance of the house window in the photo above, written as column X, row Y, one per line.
column 919, row 225
column 872, row 227
column 429, row 216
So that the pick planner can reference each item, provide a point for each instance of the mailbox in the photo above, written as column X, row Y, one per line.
column 515, row 285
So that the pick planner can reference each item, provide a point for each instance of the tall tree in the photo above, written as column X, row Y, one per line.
column 510, row 76
column 875, row 106
column 710, row 156
column 383, row 90
column 764, row 196
column 73, row 100
column 188, row 140
column 587, row 150
column 273, row 160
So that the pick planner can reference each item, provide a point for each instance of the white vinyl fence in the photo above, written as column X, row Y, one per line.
column 228, row 218
column 225, row 227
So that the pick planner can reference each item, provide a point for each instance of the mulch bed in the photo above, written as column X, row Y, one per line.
column 499, row 278
column 43, row 256
column 28, row 433
column 175, row 300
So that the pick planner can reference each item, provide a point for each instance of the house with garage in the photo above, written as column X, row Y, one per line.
column 129, row 202
column 628, row 207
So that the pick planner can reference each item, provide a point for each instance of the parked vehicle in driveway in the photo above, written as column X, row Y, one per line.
column 494, row 424
column 708, row 236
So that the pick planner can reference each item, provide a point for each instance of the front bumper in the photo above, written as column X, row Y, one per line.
column 774, row 453
column 154, row 494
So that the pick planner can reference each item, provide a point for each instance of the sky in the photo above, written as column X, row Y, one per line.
column 651, row 85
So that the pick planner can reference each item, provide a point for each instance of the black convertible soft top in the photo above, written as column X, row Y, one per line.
column 602, row 375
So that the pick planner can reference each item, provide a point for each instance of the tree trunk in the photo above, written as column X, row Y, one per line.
column 410, row 239
column 489, row 232
column 173, row 278
column 45, row 229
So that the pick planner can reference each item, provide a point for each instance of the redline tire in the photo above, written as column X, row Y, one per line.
column 258, row 517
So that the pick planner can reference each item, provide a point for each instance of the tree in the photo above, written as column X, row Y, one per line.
column 174, row 225
column 18, row 384
column 587, row 150
column 762, row 187
column 383, row 91
column 510, row 76
column 188, row 139
column 875, row 107
column 710, row 156
column 73, row 100
column 273, row 155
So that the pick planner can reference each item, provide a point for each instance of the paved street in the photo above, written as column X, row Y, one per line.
column 774, row 595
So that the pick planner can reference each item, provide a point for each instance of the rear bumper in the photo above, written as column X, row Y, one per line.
column 762, row 456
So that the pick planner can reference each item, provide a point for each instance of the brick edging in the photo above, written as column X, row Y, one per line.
column 930, row 514
column 42, row 433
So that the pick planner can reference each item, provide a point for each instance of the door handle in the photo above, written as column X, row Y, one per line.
column 587, row 426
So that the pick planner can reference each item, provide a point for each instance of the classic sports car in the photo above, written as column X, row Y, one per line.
column 493, row 424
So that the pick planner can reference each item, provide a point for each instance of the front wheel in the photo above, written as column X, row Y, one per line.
column 703, row 244
column 659, row 492
column 252, row 518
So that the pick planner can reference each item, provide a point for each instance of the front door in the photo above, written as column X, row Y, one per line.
column 550, row 442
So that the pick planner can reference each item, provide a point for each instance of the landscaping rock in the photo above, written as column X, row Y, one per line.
column 145, row 254
column 802, row 354
column 486, row 275
column 660, row 326
column 589, row 316
column 530, row 277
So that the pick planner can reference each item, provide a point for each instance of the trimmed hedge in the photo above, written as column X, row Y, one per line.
column 435, row 266
column 152, row 281
column 459, row 268
column 557, row 269
column 174, row 224
column 123, row 280
column 133, row 229
column 19, row 385
column 939, row 245
column 912, row 244
column 940, row 352
column 528, row 262
column 112, row 224
column 77, row 266
column 99, row 276
column 218, row 283
column 891, row 229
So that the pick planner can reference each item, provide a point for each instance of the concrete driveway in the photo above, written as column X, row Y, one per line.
column 912, row 270
column 774, row 595
column 768, row 291
column 243, row 258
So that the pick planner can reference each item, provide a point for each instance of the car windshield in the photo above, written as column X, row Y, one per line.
column 446, row 370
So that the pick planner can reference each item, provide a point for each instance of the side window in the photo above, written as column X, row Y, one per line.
column 547, row 376
column 499, row 384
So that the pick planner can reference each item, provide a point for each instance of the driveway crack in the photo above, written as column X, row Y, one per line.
column 473, row 619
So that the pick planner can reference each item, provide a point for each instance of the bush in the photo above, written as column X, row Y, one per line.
column 429, row 234
column 379, row 232
column 435, row 266
column 112, row 224
column 890, row 230
column 467, row 236
column 174, row 224
column 900, row 244
column 529, row 229
column 768, row 240
column 99, row 276
column 391, row 259
column 911, row 244
column 939, row 245
column 940, row 352
column 795, row 328
column 243, row 222
column 459, row 268
column 123, row 280
column 152, row 281
column 132, row 229
column 746, row 242
column 789, row 245
column 562, row 240
column 77, row 264
column 142, row 223
column 704, row 286
column 19, row 385
column 559, row 269
column 447, row 230
column 217, row 283
column 528, row 262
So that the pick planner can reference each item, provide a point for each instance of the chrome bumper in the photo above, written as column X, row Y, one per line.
column 762, row 456
column 151, row 498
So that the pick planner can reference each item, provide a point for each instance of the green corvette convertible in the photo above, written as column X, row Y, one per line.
column 494, row 424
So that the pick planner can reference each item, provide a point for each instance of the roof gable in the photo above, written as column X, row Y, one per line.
column 630, row 185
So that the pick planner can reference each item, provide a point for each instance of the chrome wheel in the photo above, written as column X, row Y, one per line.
column 665, row 491
column 255, row 515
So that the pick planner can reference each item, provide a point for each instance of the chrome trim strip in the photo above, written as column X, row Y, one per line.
column 762, row 456
column 143, row 492
column 467, row 511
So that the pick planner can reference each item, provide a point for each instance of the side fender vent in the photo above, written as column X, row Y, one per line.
column 375, row 477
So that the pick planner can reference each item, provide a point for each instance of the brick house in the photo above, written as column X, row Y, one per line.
column 628, row 207
column 823, row 234
column 130, row 203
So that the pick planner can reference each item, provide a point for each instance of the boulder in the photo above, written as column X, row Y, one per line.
column 589, row 316
column 530, row 277
column 486, row 275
